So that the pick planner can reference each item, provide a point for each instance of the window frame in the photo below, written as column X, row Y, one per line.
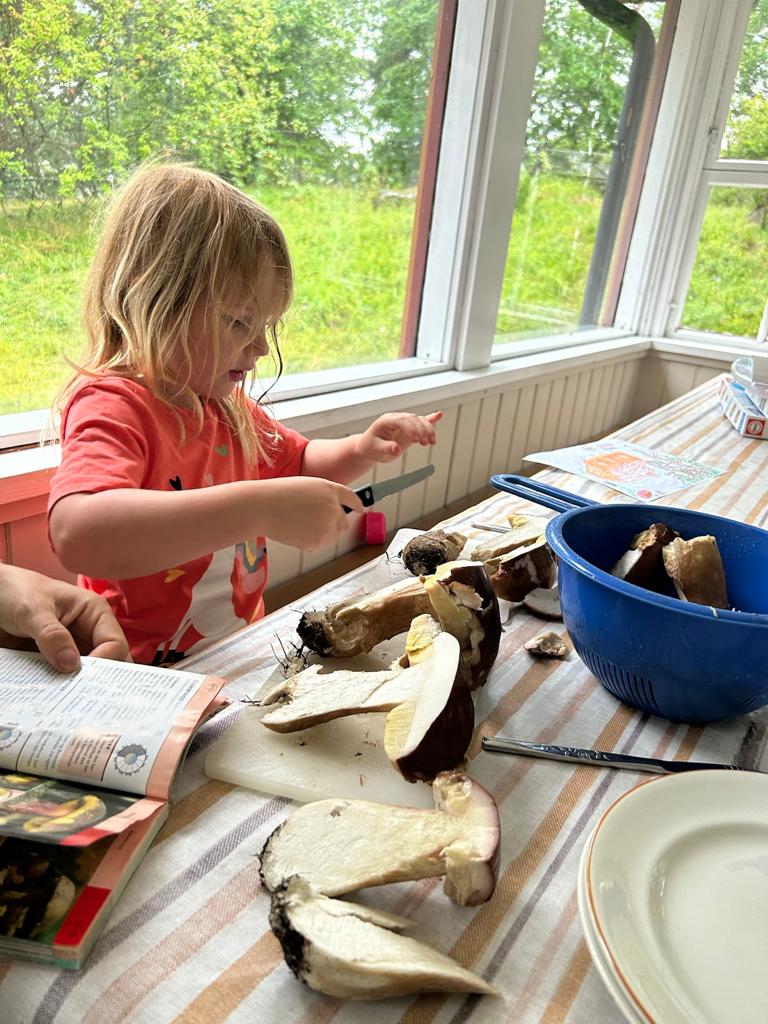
column 683, row 164
column 481, row 148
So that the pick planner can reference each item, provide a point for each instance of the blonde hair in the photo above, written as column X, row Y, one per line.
column 176, row 236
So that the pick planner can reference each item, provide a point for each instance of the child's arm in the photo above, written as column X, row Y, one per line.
column 128, row 532
column 347, row 458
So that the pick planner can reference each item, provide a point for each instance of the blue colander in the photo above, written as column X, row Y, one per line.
column 682, row 661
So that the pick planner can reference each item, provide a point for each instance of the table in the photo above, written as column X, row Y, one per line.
column 189, row 941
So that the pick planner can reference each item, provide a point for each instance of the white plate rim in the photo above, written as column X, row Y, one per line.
column 646, row 1014
column 600, row 955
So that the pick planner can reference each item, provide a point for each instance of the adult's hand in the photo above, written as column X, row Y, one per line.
column 61, row 620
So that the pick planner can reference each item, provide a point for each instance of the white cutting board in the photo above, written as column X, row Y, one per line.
column 343, row 758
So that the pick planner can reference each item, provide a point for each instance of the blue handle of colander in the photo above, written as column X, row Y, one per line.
column 540, row 493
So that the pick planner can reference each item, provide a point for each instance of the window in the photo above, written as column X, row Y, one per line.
column 589, row 91
column 315, row 106
column 728, row 290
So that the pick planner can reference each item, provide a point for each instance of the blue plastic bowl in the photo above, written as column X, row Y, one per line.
column 682, row 661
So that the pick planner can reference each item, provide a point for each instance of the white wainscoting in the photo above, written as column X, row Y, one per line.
column 485, row 435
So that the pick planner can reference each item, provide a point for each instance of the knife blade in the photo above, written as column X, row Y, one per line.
column 372, row 493
column 601, row 758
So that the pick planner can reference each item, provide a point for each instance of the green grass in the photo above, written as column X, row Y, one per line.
column 351, row 259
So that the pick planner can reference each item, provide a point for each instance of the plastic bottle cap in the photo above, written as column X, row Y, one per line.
column 375, row 527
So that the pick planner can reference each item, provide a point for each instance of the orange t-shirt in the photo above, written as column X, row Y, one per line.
column 115, row 434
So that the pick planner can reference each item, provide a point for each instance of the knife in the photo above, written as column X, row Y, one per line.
column 375, row 492
column 602, row 758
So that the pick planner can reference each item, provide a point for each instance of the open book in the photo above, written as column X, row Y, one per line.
column 87, row 763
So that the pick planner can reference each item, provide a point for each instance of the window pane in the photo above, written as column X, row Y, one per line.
column 746, row 130
column 316, row 107
column 728, row 287
column 576, row 114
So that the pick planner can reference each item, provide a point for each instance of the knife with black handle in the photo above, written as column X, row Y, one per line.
column 372, row 493
column 601, row 758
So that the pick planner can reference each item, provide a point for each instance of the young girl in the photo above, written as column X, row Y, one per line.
column 171, row 476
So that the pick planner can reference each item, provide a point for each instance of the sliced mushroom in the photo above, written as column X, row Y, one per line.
column 356, row 625
column 696, row 569
column 467, row 607
column 524, row 530
column 424, row 553
column 522, row 571
column 544, row 602
column 315, row 696
column 642, row 564
column 431, row 732
column 547, row 645
column 338, row 846
column 353, row 952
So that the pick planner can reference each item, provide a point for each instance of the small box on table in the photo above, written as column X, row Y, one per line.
column 741, row 411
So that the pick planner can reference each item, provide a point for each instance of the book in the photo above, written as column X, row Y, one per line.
column 87, row 766
column 742, row 412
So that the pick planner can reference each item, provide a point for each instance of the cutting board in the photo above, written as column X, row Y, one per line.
column 343, row 758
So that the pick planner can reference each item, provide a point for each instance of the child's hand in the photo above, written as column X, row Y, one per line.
column 390, row 435
column 305, row 512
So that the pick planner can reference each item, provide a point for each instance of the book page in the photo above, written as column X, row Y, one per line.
column 118, row 725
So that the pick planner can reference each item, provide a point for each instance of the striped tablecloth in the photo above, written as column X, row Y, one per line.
column 189, row 941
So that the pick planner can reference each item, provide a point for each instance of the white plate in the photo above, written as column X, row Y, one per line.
column 599, row 954
column 676, row 884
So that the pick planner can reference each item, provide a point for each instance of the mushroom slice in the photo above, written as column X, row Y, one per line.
column 545, row 602
column 353, row 952
column 431, row 732
column 522, row 571
column 467, row 607
column 356, row 625
column 524, row 530
column 338, row 846
column 313, row 696
column 423, row 554
column 696, row 569
column 642, row 563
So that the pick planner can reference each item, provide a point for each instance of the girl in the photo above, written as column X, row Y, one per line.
column 171, row 476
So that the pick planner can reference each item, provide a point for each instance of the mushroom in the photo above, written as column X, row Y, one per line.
column 545, row 602
column 642, row 563
column 696, row 569
column 316, row 695
column 467, row 607
column 337, row 846
column 524, row 530
column 354, row 952
column 524, row 570
column 423, row 554
column 458, row 595
column 356, row 625
column 547, row 645
column 431, row 731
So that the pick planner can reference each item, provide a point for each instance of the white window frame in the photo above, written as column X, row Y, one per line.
column 482, row 146
column 683, row 165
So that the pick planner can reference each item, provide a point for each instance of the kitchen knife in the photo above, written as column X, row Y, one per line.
column 375, row 492
column 601, row 758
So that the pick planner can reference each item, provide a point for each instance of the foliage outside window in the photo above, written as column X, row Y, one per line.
column 316, row 107
column 578, row 94
column 728, row 290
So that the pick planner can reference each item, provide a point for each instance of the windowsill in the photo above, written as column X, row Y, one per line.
column 701, row 346
column 331, row 410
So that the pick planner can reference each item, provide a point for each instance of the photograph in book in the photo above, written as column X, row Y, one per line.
column 87, row 763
